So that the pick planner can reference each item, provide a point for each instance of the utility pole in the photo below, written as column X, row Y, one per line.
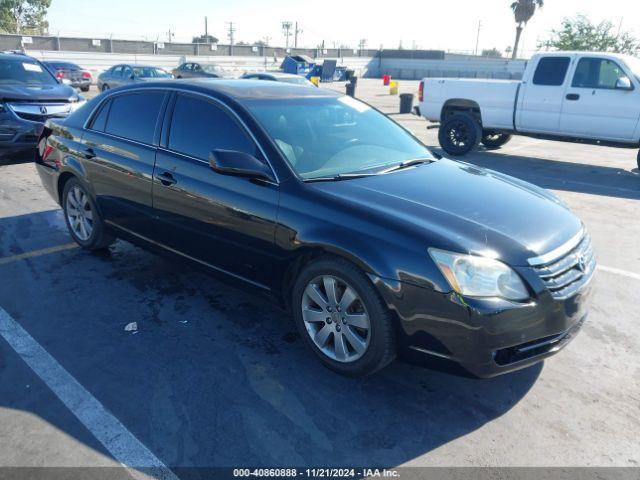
column 266, row 40
column 286, row 29
column 478, row 36
column 232, row 30
column 170, row 35
column 206, row 31
column 295, row 36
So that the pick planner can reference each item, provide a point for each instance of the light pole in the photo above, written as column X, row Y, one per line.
column 286, row 29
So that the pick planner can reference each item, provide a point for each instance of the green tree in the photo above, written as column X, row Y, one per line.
column 580, row 33
column 24, row 16
column 203, row 39
column 523, row 11
column 492, row 53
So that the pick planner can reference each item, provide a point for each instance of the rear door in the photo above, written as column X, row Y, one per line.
column 122, row 139
column 594, row 107
column 227, row 222
column 542, row 95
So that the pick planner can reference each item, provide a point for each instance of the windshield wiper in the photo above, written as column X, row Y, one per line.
column 407, row 164
column 340, row 177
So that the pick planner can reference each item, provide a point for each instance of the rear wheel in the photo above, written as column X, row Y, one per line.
column 342, row 318
column 639, row 160
column 84, row 89
column 105, row 87
column 82, row 217
column 493, row 140
column 459, row 134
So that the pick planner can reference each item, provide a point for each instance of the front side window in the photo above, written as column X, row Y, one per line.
column 328, row 136
column 551, row 71
column 117, row 71
column 134, row 116
column 198, row 127
column 150, row 72
column 597, row 73
column 24, row 71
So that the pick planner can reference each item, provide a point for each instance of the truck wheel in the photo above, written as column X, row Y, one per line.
column 493, row 140
column 638, row 160
column 459, row 134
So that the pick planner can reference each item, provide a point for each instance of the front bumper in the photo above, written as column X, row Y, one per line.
column 17, row 135
column 486, row 337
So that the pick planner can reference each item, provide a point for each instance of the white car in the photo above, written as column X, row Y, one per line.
column 570, row 96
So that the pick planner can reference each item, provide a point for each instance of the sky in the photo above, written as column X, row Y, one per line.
column 428, row 24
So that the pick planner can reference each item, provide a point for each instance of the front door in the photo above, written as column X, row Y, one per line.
column 225, row 221
column 595, row 108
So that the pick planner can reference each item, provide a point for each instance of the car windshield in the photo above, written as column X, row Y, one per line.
column 212, row 68
column 634, row 64
column 150, row 72
column 24, row 71
column 327, row 137
column 294, row 80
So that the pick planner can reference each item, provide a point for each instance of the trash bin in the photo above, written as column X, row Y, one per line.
column 351, row 89
column 348, row 74
column 393, row 87
column 406, row 102
column 385, row 80
column 353, row 79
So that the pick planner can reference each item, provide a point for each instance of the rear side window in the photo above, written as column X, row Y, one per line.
column 134, row 116
column 198, row 127
column 551, row 71
column 100, row 121
column 597, row 73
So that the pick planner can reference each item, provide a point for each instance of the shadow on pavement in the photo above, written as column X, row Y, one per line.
column 215, row 376
column 558, row 175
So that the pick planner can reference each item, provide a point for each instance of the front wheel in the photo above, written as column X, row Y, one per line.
column 84, row 89
column 105, row 87
column 342, row 318
column 82, row 217
column 638, row 160
column 494, row 140
column 459, row 134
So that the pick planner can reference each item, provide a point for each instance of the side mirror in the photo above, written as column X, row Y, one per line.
column 240, row 164
column 623, row 83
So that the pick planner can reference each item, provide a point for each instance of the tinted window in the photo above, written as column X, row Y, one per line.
column 199, row 126
column 100, row 121
column 597, row 73
column 116, row 71
column 551, row 71
column 134, row 116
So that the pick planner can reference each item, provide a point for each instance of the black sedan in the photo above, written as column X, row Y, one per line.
column 76, row 76
column 198, row 70
column 375, row 246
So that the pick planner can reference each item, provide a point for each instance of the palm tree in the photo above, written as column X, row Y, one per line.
column 523, row 10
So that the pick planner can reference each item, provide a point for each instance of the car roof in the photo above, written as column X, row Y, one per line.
column 275, row 74
column 241, row 90
column 16, row 56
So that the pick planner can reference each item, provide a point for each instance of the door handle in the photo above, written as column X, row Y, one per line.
column 573, row 96
column 89, row 154
column 166, row 179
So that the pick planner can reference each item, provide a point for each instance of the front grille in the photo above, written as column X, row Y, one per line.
column 40, row 112
column 565, row 275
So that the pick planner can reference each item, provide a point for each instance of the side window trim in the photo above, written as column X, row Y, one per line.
column 168, row 117
column 600, row 59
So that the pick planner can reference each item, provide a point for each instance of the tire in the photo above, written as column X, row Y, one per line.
column 638, row 160
column 494, row 140
column 459, row 134
column 364, row 327
column 76, row 199
column 84, row 89
column 105, row 87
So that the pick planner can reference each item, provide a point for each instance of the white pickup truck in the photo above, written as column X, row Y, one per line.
column 570, row 96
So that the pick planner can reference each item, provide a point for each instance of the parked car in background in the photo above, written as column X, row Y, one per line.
column 278, row 77
column 570, row 96
column 199, row 70
column 123, row 74
column 77, row 76
column 29, row 95
column 375, row 246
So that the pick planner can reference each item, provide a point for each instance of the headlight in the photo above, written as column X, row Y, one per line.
column 76, row 105
column 475, row 276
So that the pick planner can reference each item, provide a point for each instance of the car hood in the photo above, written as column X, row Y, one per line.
column 457, row 206
column 35, row 93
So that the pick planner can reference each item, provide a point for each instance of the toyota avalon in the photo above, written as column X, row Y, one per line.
column 375, row 246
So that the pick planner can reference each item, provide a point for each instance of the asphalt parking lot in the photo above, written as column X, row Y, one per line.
column 216, row 377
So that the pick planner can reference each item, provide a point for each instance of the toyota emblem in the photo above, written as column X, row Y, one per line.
column 43, row 110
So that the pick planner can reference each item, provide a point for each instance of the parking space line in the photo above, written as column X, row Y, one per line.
column 38, row 253
column 116, row 438
column 617, row 271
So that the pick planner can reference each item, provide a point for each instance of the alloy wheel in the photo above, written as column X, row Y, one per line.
column 459, row 134
column 79, row 213
column 336, row 319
